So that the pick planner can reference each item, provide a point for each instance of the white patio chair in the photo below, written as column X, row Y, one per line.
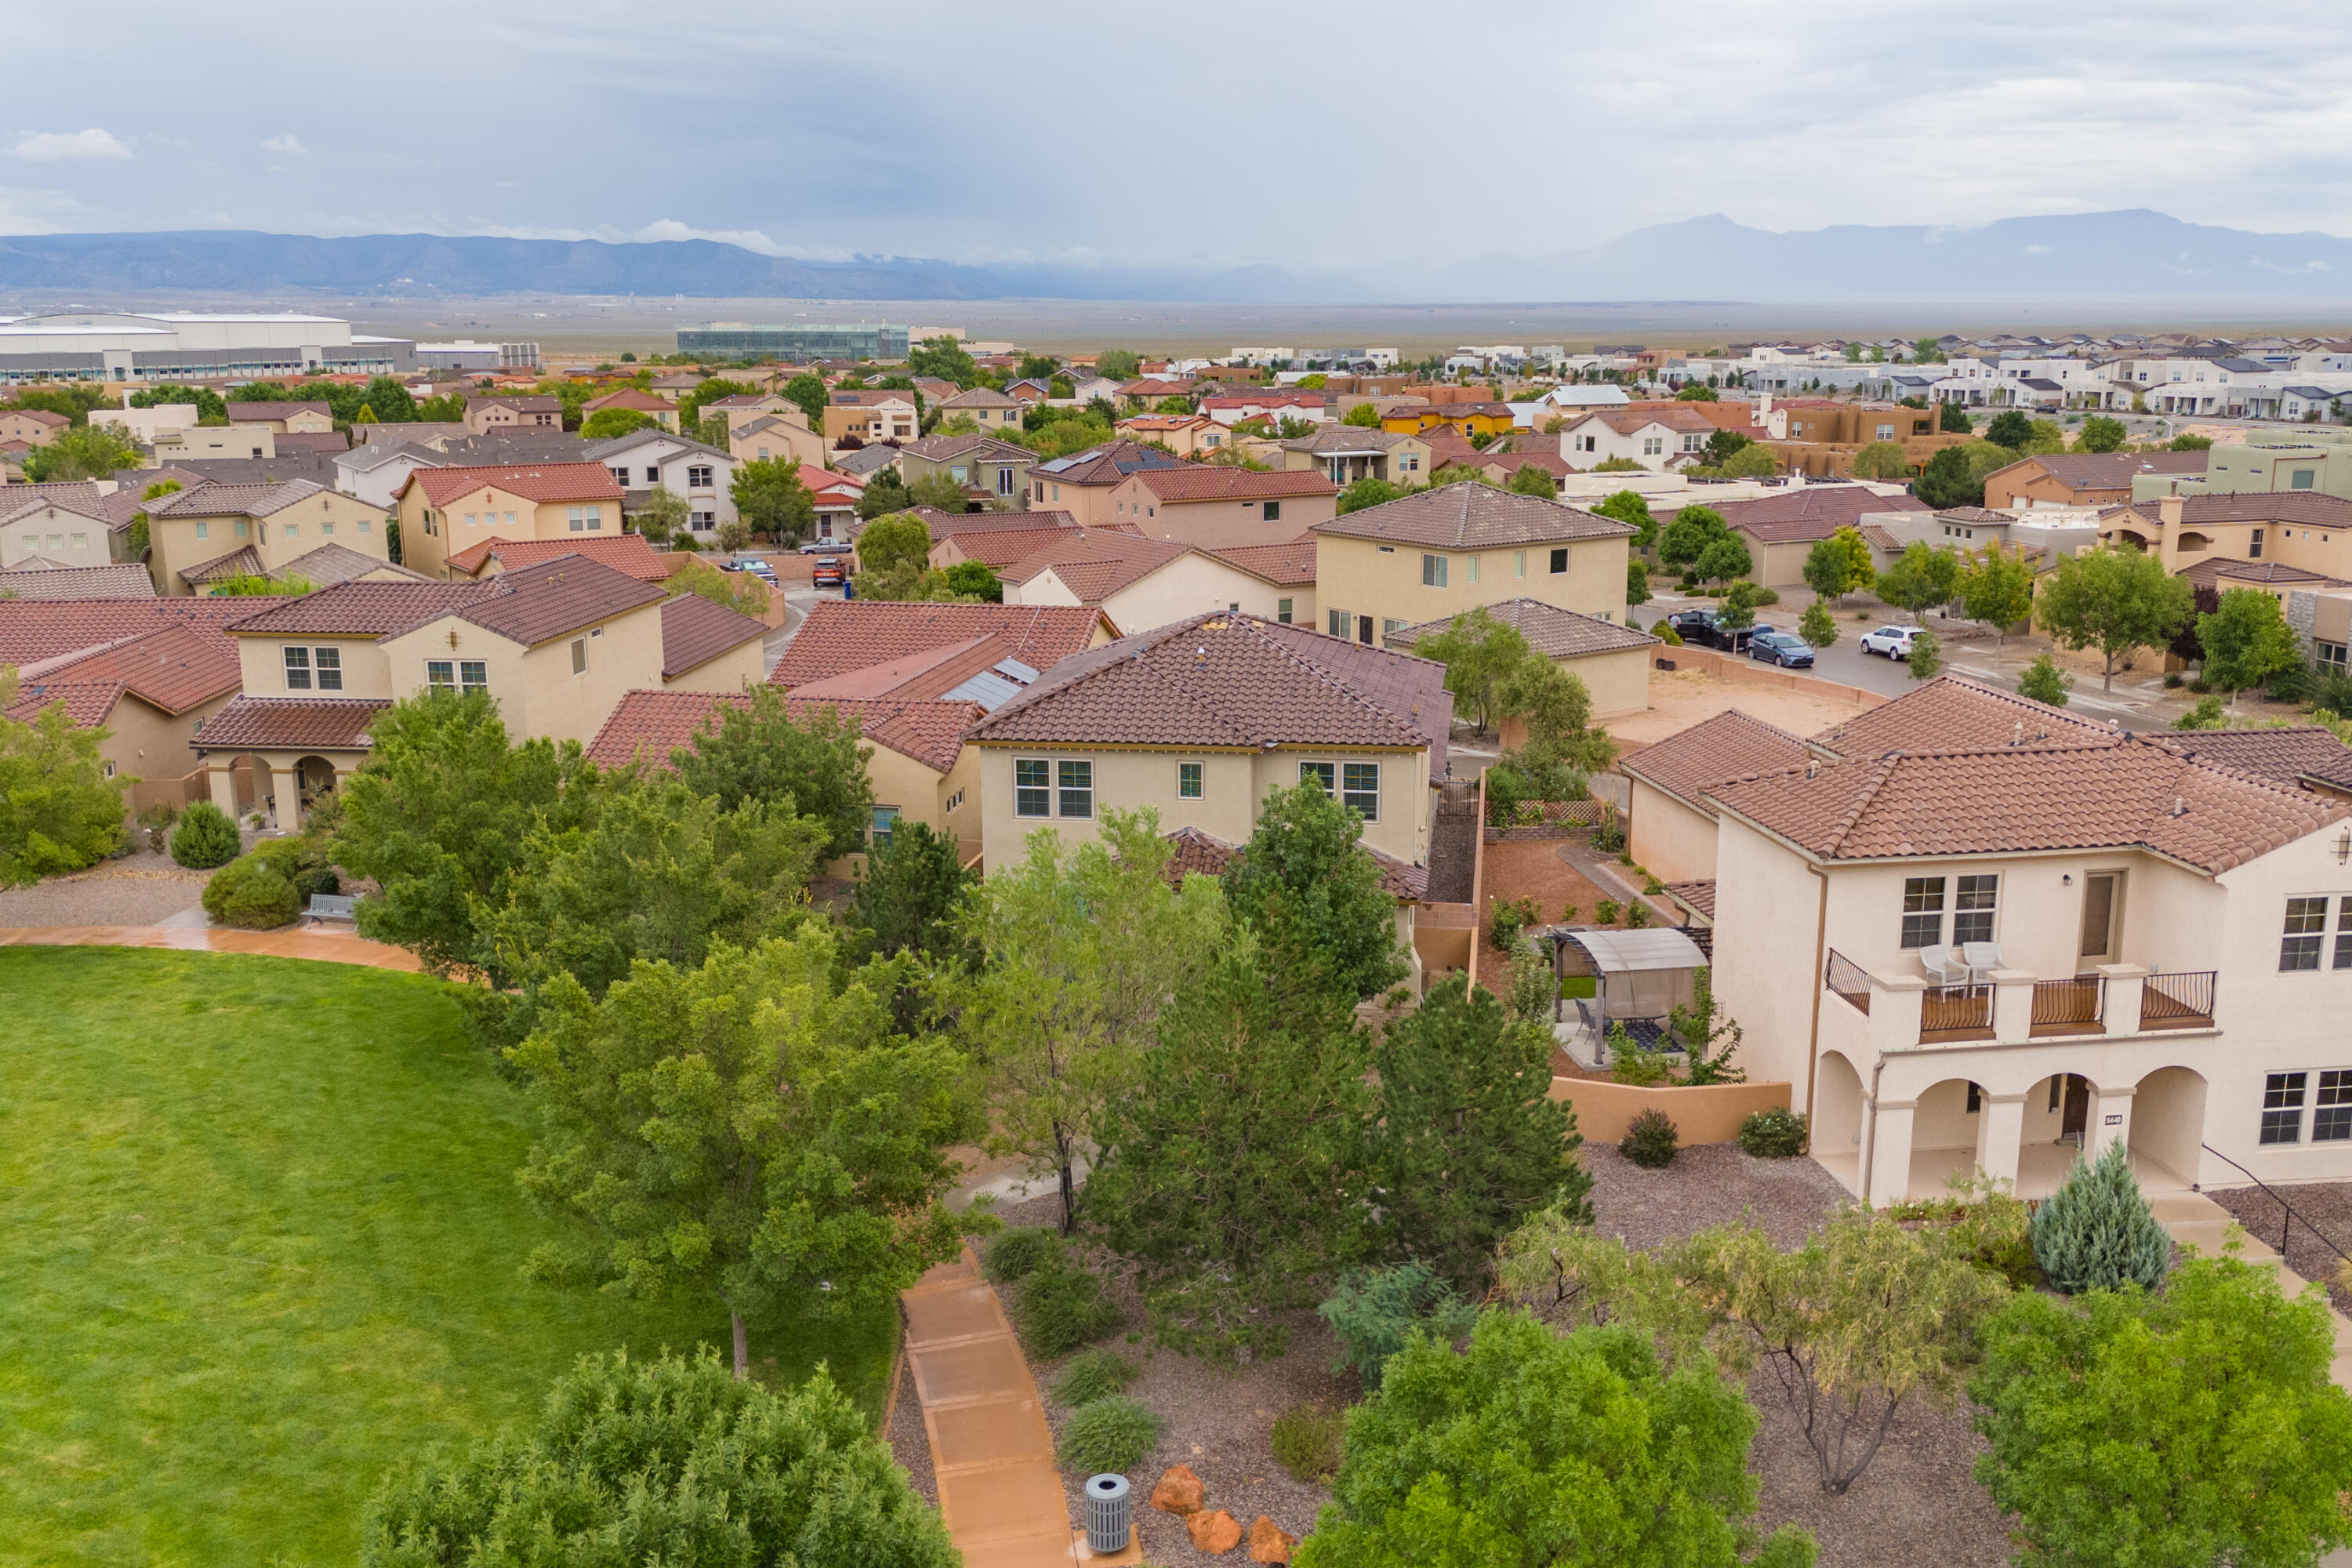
column 1981, row 957
column 1943, row 965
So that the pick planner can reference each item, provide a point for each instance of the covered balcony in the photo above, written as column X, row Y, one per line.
column 2013, row 1007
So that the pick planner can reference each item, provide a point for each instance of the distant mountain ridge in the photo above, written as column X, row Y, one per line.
column 2135, row 255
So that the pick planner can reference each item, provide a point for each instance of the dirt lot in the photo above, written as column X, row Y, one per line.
column 1680, row 699
column 1540, row 869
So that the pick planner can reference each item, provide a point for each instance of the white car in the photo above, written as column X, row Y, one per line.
column 1894, row 642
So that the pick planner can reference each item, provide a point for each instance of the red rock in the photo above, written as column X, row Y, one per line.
column 1215, row 1534
column 1269, row 1542
column 1179, row 1491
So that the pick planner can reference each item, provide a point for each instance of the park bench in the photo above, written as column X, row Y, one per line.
column 332, row 906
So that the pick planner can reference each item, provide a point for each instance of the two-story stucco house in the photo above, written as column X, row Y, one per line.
column 703, row 476
column 445, row 510
column 202, row 536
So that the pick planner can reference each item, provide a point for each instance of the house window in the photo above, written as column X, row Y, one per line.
column 1473, row 569
column 1433, row 571
column 204, row 530
column 1187, row 781
column 2283, row 1108
column 473, row 521
column 292, row 530
column 2306, row 919
column 652, row 474
column 510, row 520
column 1004, row 481
column 2254, row 544
column 1335, row 622
column 1077, row 789
column 1652, row 446
column 1325, row 775
column 298, row 669
column 1519, row 564
column 1973, row 907
column 1282, row 611
column 1273, row 512
column 328, row 528
column 621, row 474
column 1360, row 788
column 578, row 655
column 1390, row 626
column 1558, row 561
column 1032, row 793
column 2331, row 1122
column 884, row 817
column 577, row 517
column 1976, row 1100
column 244, row 526
column 1923, row 912
column 328, row 662
column 473, row 675
column 2300, row 480
column 439, row 675
column 2330, row 656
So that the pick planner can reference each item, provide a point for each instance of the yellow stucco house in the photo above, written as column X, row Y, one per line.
column 444, row 512
column 198, row 537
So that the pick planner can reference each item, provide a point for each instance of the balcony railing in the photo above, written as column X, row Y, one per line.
column 2177, row 1001
column 1955, row 1013
column 2076, row 1006
column 1848, row 979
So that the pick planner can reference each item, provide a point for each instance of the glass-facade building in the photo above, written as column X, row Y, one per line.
column 741, row 340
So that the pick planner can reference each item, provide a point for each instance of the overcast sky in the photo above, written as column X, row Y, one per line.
column 1308, row 135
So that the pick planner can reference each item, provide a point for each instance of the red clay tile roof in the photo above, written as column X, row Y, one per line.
column 34, row 629
column 1815, row 511
column 235, row 501
column 1095, row 563
column 1730, row 745
column 841, row 636
column 1206, row 855
column 630, row 397
column 2108, row 471
column 125, row 580
column 532, row 481
column 173, row 667
column 624, row 552
column 695, row 631
column 1000, row 548
column 291, row 723
column 243, row 561
column 1290, row 565
column 1228, row 680
column 359, row 609
column 2289, row 754
column 1952, row 712
column 1697, row 897
column 2136, row 794
column 1472, row 516
column 648, row 726
column 89, row 703
column 533, row 604
column 1550, row 630
column 927, row 674
column 2312, row 507
column 1210, row 483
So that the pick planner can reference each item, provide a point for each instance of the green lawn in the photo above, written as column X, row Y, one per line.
column 258, row 1238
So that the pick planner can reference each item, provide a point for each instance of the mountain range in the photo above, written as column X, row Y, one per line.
column 2118, row 255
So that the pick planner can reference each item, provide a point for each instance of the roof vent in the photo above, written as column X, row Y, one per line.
column 2018, row 737
column 2179, row 806
column 1812, row 769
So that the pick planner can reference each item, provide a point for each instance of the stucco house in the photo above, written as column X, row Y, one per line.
column 68, row 524
column 1611, row 660
column 448, row 510
column 200, row 536
column 701, row 476
column 993, row 472
column 871, row 415
column 1081, row 483
column 1141, row 582
column 1220, row 508
column 152, row 692
column 660, row 410
column 1346, row 452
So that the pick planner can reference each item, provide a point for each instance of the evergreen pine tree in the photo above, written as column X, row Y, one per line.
column 2097, row 1232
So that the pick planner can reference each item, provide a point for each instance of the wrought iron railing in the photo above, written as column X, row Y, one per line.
column 2289, row 1216
column 2069, row 1006
column 1846, row 977
column 1955, row 1011
column 2177, row 1001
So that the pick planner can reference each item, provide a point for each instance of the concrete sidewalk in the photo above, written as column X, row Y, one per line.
column 295, row 941
column 999, row 1492
column 2195, row 1220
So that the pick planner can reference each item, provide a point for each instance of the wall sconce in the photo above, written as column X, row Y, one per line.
column 2067, row 881
column 2343, row 847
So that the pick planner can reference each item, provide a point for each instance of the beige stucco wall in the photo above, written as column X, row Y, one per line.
column 1619, row 682
column 146, row 742
column 330, row 516
column 731, row 671
column 1673, row 840
column 775, row 444
column 424, row 546
column 1189, row 586
column 1217, row 524
column 212, row 441
column 1089, row 506
column 1234, row 786
column 55, row 534
column 367, row 669
column 1363, row 577
column 536, row 690
column 1703, row 1113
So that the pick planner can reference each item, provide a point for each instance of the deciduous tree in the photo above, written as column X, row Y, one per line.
column 1945, row 481
column 1753, row 461
column 770, row 499
column 1997, row 587
column 907, row 898
column 1119, row 365
column 1305, row 882
column 1478, row 652
column 2101, row 434
column 2044, row 682
column 1922, row 576
column 607, row 423
column 82, row 452
column 808, row 392
column 2246, row 641
column 59, row 810
column 1628, row 507
column 666, row 513
column 1839, row 564
column 1531, row 480
column 2113, row 600
column 2010, row 428
column 758, row 751
column 1881, row 460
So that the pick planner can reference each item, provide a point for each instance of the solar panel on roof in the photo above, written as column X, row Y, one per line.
column 1019, row 671
column 987, row 688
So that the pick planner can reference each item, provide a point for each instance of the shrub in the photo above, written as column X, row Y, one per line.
column 1606, row 911
column 1017, row 1254
column 2096, row 1232
column 1110, row 1435
column 157, row 819
column 1666, row 633
column 2172, row 682
column 1650, row 1142
column 1307, row 1443
column 1091, row 1375
column 2044, row 682
column 1060, row 1306
column 2295, row 683
column 1995, row 1229
column 204, row 837
column 1637, row 915
column 313, row 880
column 252, row 893
column 1373, row 1312
column 1775, row 1134
column 1511, row 917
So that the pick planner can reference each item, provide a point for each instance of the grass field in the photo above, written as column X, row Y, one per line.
column 258, row 1239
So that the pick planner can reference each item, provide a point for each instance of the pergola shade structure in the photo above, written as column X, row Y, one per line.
column 1638, row 978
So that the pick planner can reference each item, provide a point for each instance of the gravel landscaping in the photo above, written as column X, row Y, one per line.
column 142, row 890
column 2328, row 1205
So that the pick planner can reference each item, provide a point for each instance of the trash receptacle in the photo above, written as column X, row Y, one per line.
column 1106, row 1506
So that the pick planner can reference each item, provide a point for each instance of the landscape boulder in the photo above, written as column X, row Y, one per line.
column 1179, row 1491
column 1269, row 1542
column 1215, row 1534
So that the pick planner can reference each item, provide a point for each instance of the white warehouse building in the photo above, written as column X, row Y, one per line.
column 182, row 346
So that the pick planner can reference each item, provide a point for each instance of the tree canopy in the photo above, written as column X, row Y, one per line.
column 770, row 499
column 2247, row 640
column 1478, row 651
column 759, row 752
column 1315, row 896
column 1922, row 576
column 1947, row 481
column 2113, row 600
column 59, row 811
column 1839, row 564
column 1881, row 460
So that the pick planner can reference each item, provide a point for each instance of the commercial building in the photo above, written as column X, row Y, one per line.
column 741, row 340
column 182, row 345
column 466, row 354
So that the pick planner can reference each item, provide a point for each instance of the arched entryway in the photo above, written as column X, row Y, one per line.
column 1946, row 1135
column 2057, row 1126
column 1836, row 1119
column 316, row 778
column 2168, row 1127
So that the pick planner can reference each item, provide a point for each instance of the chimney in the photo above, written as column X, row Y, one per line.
column 2167, row 511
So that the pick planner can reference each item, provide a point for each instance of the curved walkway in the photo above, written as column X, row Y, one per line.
column 295, row 941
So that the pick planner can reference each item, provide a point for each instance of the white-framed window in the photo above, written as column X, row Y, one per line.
column 1390, row 626
column 1652, row 446
column 244, row 528
column 2282, row 1098
column 364, row 529
column 1337, row 622
column 1519, row 564
column 885, row 818
column 293, row 529
column 1032, row 789
column 2303, row 933
column 1282, row 611
column 1433, row 571
column 1359, row 787
column 329, row 663
column 1004, row 481
column 1189, row 783
column 473, row 521
column 298, row 669
column 620, row 473
column 203, row 528
column 1923, row 912
column 1974, row 904
column 1326, row 775
column 1075, row 789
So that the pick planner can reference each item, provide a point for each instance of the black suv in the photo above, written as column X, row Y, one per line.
column 1704, row 629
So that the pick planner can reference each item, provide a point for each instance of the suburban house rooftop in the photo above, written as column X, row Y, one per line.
column 1473, row 516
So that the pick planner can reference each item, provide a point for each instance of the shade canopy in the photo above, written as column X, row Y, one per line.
column 1624, row 952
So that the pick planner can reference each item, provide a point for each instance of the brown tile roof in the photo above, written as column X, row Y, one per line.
column 622, row 551
column 532, row 481
column 642, row 402
column 1730, row 745
column 840, row 636
column 1473, row 516
column 173, row 667
column 1211, row 482
column 80, row 497
column 1815, row 511
column 532, row 605
column 2312, row 507
column 1201, row 854
column 2110, row 470
column 126, row 579
column 260, row 413
column 1697, row 897
column 520, row 405
column 1334, row 436
column 2209, row 573
column 987, row 449
column 235, row 501
column 34, row 629
column 1290, row 565
column 1105, row 465
column 930, row 674
column 244, row 561
column 1952, row 712
column 2136, row 794
column 1228, row 680
column 650, row 725
column 1095, row 563
column 2288, row 754
column 291, row 723
column 1625, row 422
column 1550, row 630
column 695, row 631
column 1000, row 548
column 312, row 441
column 870, row 396
column 943, row 523
column 359, row 609
column 332, row 564
column 89, row 703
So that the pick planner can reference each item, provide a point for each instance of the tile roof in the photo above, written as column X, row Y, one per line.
column 89, row 703
column 359, row 609
column 291, row 723
column 1202, row 854
column 648, row 436
column 1106, row 464
column 2210, row 571
column 532, row 481
column 1001, row 547
column 531, row 605
column 1628, row 421
column 695, row 631
column 630, row 397
column 125, row 580
column 1288, row 565
column 624, row 552
column 521, row 405
column 989, row 448
column 1550, row 630
column 332, row 564
column 312, row 441
column 252, row 413
column 980, row 397
column 1697, row 897
column 2112, row 470
column 1951, row 711
column 259, row 500
column 2136, row 794
column 1471, row 516
column 1215, row 482
column 34, row 629
column 1095, row 563
column 80, row 497
column 930, row 673
column 1816, row 511
column 648, row 726
column 840, row 636
column 2288, row 754
column 243, row 561
column 943, row 523
column 1230, row 681
column 1730, row 745
column 173, row 667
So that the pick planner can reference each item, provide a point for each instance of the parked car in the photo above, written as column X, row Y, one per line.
column 1704, row 629
column 1784, row 648
column 820, row 547
column 1894, row 642
column 827, row 574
